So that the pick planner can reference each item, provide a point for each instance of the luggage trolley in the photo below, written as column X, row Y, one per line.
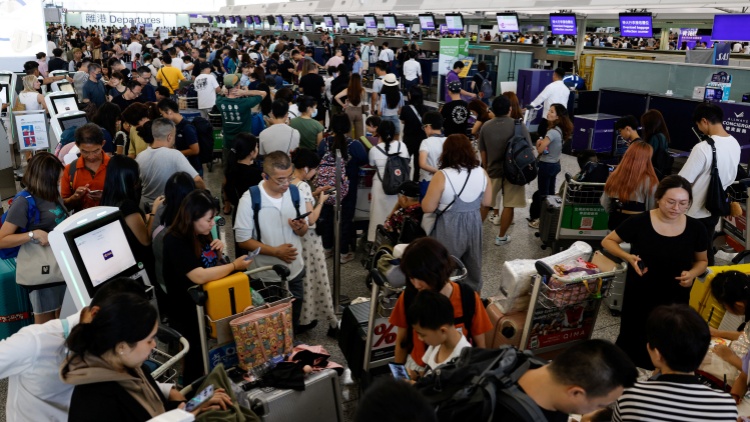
column 217, row 340
column 564, row 312
column 216, row 121
column 578, row 215
column 161, row 362
column 735, row 229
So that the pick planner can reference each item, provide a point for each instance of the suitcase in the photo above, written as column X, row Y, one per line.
column 352, row 336
column 549, row 219
column 226, row 297
column 319, row 402
column 15, row 308
column 704, row 302
column 616, row 290
column 507, row 329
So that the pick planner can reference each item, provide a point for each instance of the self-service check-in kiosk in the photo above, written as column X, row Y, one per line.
column 92, row 249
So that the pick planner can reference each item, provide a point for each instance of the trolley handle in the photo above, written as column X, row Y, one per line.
column 569, row 179
column 167, row 334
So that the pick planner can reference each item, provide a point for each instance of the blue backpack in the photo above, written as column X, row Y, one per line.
column 32, row 214
column 258, row 124
column 255, row 197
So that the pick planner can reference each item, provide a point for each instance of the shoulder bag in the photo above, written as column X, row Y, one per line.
column 717, row 201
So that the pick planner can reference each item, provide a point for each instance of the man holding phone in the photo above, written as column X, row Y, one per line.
column 82, row 181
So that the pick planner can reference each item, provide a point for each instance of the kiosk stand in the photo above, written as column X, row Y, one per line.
column 92, row 249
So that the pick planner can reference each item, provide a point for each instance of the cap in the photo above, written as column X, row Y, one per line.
column 410, row 189
column 390, row 80
column 454, row 86
column 231, row 80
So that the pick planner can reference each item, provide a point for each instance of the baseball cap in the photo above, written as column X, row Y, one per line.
column 409, row 189
column 454, row 86
column 231, row 80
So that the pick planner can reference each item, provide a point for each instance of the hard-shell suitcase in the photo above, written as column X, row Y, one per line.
column 226, row 297
column 352, row 335
column 704, row 302
column 549, row 218
column 319, row 402
column 15, row 309
column 507, row 329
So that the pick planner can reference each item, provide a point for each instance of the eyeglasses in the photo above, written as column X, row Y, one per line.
column 681, row 205
column 284, row 181
column 90, row 153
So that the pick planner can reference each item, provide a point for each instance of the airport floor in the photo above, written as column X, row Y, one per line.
column 523, row 245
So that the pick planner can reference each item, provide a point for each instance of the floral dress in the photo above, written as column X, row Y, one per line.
column 318, row 303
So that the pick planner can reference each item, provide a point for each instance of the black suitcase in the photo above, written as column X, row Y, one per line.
column 352, row 335
column 549, row 219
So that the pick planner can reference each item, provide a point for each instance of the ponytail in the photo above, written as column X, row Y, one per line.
column 731, row 287
column 386, row 131
column 244, row 145
column 341, row 126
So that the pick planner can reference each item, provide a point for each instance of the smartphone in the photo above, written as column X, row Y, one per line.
column 398, row 371
column 331, row 192
column 641, row 265
column 253, row 254
column 302, row 216
column 95, row 191
column 200, row 399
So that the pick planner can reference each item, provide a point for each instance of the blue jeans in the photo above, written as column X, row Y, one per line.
column 545, row 186
column 409, row 84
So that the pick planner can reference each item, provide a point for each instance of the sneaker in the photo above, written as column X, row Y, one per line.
column 328, row 252
column 299, row 329
column 499, row 241
column 347, row 257
column 495, row 219
column 534, row 224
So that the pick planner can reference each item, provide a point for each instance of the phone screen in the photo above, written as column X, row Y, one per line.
column 200, row 398
column 399, row 371
column 253, row 254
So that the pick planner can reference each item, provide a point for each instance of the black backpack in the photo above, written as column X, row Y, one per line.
column 205, row 132
column 396, row 171
column 481, row 385
column 520, row 167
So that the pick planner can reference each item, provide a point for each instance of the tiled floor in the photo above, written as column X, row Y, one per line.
column 523, row 245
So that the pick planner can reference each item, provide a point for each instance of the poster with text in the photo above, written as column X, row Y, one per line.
column 452, row 50
column 32, row 131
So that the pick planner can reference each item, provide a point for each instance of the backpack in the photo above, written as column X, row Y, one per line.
column 520, row 166
column 485, row 88
column 327, row 173
column 32, row 214
column 396, row 171
column 258, row 124
column 662, row 160
column 482, row 385
column 205, row 132
column 255, row 197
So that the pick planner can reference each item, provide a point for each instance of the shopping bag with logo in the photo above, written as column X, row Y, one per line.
column 36, row 266
column 263, row 334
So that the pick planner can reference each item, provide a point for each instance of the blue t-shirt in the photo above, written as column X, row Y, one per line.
column 95, row 92
column 148, row 93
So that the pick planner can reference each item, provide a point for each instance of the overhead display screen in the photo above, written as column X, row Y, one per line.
column 296, row 20
column 328, row 21
column 427, row 22
column 371, row 21
column 279, row 20
column 563, row 24
column 636, row 25
column 343, row 21
column 734, row 27
column 308, row 20
column 257, row 20
column 507, row 22
column 389, row 21
column 455, row 22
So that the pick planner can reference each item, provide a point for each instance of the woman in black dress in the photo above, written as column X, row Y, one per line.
column 667, row 253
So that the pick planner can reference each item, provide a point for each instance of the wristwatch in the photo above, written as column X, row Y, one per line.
column 31, row 235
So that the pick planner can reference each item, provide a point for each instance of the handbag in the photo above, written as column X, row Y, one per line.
column 430, row 219
column 19, row 106
column 36, row 266
column 263, row 334
column 717, row 201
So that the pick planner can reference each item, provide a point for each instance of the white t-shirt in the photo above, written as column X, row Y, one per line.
column 697, row 170
column 386, row 55
column 378, row 159
column 555, row 93
column 134, row 48
column 431, row 353
column 434, row 147
column 474, row 187
column 293, row 111
column 205, row 86
column 278, row 137
column 30, row 100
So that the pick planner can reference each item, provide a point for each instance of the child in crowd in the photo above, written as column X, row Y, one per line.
column 371, row 124
column 432, row 314
column 407, row 208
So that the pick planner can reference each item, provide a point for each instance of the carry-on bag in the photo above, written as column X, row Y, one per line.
column 549, row 218
column 15, row 309
column 226, row 297
column 263, row 334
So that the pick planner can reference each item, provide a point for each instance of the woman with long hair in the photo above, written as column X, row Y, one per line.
column 41, row 179
column 460, row 193
column 515, row 106
column 630, row 188
column 354, row 156
column 382, row 204
column 411, row 118
column 241, row 172
column 231, row 61
column 391, row 102
column 656, row 134
column 480, row 113
column 318, row 303
column 192, row 257
column 667, row 252
column 122, row 189
column 559, row 129
column 107, row 117
column 30, row 96
column 351, row 100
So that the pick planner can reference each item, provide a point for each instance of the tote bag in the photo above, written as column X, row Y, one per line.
column 36, row 266
column 263, row 334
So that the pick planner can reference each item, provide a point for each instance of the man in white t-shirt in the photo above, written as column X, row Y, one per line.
column 207, row 87
column 386, row 55
column 555, row 93
column 279, row 136
column 381, row 69
column 697, row 169
column 134, row 48
column 430, row 149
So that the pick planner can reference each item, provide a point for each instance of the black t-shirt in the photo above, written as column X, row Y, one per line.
column 285, row 69
column 339, row 84
column 312, row 84
column 413, row 132
column 186, row 135
column 478, row 81
column 123, row 103
column 240, row 180
column 141, row 252
column 455, row 115
column 57, row 64
column 506, row 415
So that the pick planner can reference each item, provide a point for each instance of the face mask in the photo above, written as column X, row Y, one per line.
column 314, row 112
column 99, row 77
